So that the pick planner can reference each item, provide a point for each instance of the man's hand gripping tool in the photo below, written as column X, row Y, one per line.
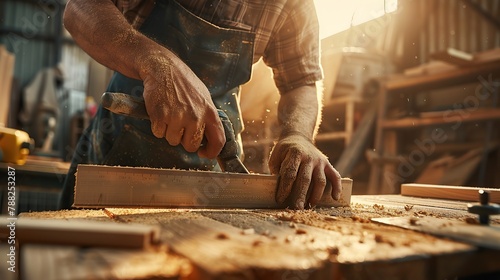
column 132, row 106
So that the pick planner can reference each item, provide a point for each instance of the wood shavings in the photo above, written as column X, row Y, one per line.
column 222, row 236
column 333, row 250
column 266, row 233
column 300, row 231
column 257, row 243
column 360, row 220
column 408, row 207
column 330, row 218
column 379, row 238
column 378, row 207
column 248, row 231
column 471, row 221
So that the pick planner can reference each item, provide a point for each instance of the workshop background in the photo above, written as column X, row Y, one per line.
column 410, row 95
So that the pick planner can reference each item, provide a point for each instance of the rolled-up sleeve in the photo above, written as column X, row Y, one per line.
column 293, row 51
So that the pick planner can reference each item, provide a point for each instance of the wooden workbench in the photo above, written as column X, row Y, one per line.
column 339, row 243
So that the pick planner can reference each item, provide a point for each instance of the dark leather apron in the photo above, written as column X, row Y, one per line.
column 220, row 57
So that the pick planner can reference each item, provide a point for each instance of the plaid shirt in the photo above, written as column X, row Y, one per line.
column 287, row 35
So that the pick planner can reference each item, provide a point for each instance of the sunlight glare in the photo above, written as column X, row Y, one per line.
column 336, row 16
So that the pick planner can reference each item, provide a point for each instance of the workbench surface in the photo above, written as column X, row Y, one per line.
column 336, row 243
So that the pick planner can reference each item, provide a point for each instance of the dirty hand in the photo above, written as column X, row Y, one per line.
column 180, row 106
column 304, row 172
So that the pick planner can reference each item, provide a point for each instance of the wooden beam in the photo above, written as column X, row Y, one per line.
column 81, row 233
column 448, row 192
column 100, row 186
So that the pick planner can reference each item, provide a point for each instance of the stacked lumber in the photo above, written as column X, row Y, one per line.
column 6, row 74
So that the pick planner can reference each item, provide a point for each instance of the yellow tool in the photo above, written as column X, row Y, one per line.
column 14, row 145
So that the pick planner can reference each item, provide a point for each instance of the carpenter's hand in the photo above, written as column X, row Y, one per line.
column 179, row 105
column 304, row 172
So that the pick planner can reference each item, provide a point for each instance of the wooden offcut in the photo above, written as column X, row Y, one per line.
column 448, row 192
column 82, row 233
column 6, row 73
column 100, row 186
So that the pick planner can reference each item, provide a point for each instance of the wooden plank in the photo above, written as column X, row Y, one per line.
column 82, row 233
column 484, row 66
column 445, row 117
column 221, row 251
column 273, row 244
column 40, row 165
column 6, row 74
column 107, row 186
column 454, row 56
column 328, row 243
column 72, row 263
column 448, row 192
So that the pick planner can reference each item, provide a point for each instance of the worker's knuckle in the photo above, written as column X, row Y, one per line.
column 289, row 174
column 320, row 180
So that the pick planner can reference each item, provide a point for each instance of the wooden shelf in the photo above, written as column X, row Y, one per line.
column 40, row 165
column 331, row 136
column 486, row 63
column 442, row 118
column 482, row 69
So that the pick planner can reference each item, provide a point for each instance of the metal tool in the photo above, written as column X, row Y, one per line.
column 484, row 209
column 132, row 106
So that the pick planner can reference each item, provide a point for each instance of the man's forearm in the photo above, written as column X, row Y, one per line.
column 103, row 32
column 299, row 112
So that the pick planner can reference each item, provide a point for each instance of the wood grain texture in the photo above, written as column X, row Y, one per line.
column 448, row 192
column 72, row 263
column 324, row 243
column 83, row 233
column 281, row 244
column 106, row 186
column 483, row 236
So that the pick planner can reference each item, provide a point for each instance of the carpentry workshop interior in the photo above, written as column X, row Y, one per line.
column 410, row 119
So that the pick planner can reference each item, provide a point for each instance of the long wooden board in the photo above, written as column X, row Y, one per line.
column 82, row 233
column 448, row 192
column 100, row 186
